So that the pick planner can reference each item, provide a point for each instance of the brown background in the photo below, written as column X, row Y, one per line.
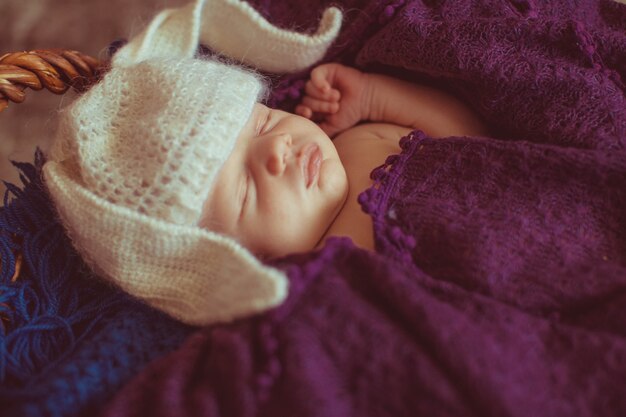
column 85, row 25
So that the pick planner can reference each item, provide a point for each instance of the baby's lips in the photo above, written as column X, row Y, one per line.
column 310, row 162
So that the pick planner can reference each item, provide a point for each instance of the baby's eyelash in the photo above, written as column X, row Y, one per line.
column 259, row 126
column 264, row 123
column 245, row 196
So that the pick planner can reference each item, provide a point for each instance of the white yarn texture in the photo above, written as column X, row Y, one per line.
column 133, row 163
column 152, row 137
column 136, row 156
column 235, row 29
column 191, row 274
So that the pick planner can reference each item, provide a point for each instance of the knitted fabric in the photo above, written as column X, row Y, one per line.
column 448, row 317
column 67, row 341
column 133, row 162
column 151, row 137
column 497, row 285
column 135, row 159
column 548, row 339
column 255, row 42
column 85, row 378
column 550, row 72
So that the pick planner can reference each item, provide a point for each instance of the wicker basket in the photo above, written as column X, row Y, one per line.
column 54, row 69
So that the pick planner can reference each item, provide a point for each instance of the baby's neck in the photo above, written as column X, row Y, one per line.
column 361, row 149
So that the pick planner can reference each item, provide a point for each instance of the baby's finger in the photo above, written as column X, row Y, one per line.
column 330, row 94
column 320, row 106
column 304, row 111
column 319, row 77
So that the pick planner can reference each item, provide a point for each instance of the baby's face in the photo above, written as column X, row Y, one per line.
column 281, row 188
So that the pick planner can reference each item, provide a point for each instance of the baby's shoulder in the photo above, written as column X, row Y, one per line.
column 386, row 132
column 361, row 149
column 370, row 141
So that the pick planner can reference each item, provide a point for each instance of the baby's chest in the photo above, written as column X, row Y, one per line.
column 362, row 149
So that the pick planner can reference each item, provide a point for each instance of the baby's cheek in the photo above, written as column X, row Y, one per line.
column 334, row 189
column 289, row 231
column 289, row 224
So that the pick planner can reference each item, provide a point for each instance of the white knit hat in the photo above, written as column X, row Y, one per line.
column 131, row 167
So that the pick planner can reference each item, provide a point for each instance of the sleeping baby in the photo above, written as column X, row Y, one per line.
column 172, row 179
column 174, row 182
column 287, row 186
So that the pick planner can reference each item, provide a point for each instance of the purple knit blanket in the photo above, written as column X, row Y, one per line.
column 498, row 287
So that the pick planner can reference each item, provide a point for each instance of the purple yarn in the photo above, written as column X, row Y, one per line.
column 492, row 307
column 497, row 287
column 68, row 341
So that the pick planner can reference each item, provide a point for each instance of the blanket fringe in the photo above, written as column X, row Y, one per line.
column 51, row 306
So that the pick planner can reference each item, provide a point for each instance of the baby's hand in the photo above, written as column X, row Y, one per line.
column 334, row 95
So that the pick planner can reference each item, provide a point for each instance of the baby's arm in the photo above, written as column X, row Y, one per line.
column 344, row 96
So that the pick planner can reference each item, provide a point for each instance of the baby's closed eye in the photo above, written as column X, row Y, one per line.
column 264, row 123
column 246, row 194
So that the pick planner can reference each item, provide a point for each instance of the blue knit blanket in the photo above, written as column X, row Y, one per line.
column 67, row 340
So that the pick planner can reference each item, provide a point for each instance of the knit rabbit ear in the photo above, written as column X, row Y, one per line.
column 181, row 270
column 173, row 33
column 258, row 43
column 255, row 41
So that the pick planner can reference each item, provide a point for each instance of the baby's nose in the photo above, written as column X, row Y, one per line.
column 280, row 150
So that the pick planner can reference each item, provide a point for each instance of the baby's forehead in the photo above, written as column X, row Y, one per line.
column 265, row 120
